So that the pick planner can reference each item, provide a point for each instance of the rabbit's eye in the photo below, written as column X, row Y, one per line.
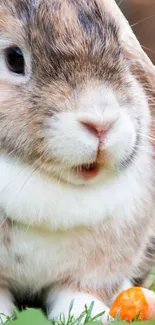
column 15, row 60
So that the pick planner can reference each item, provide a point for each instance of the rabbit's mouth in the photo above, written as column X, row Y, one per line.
column 88, row 171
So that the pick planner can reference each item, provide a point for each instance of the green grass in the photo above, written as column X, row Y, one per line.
column 36, row 317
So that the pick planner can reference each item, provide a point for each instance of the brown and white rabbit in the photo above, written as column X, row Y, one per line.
column 76, row 154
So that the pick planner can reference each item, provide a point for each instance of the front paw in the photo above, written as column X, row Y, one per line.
column 6, row 306
column 59, row 307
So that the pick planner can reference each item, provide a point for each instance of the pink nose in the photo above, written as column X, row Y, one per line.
column 96, row 129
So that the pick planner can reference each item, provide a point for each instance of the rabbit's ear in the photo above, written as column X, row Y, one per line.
column 143, row 69
column 141, row 66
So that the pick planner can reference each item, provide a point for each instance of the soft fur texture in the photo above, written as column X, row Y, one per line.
column 63, row 235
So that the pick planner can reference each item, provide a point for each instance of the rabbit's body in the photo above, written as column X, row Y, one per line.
column 88, row 259
column 76, row 156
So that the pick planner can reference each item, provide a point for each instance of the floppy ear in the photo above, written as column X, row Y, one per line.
column 144, row 71
column 140, row 64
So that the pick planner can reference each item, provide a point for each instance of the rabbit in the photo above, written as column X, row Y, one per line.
column 76, row 156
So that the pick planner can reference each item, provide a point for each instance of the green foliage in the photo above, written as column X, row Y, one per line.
column 36, row 317
column 29, row 317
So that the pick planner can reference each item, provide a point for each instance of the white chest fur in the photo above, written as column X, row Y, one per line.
column 37, row 258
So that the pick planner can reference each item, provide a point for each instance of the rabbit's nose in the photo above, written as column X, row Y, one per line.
column 96, row 129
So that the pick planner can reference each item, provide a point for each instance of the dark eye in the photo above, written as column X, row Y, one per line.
column 15, row 60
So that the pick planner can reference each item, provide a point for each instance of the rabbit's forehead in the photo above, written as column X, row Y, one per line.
column 56, row 17
column 64, row 37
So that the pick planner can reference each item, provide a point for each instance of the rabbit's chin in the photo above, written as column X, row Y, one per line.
column 82, row 175
column 79, row 175
column 33, row 198
column 91, row 173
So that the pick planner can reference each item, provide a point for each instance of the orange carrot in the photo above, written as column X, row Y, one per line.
column 134, row 302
